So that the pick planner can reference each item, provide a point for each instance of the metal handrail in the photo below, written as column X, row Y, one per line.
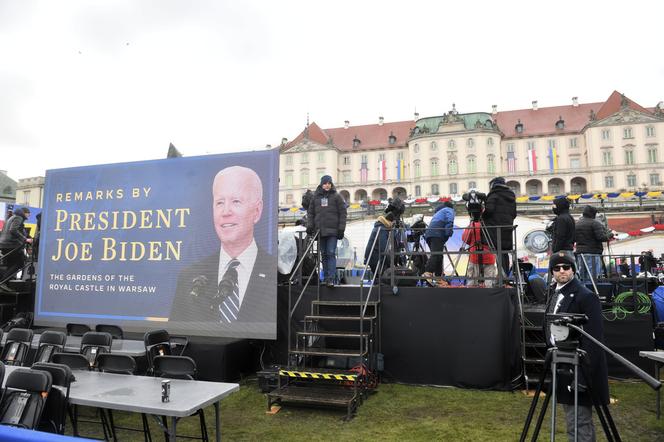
column 304, row 254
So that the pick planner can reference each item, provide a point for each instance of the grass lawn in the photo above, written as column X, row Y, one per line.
column 404, row 412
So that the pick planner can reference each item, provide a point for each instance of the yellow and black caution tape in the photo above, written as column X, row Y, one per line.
column 310, row 375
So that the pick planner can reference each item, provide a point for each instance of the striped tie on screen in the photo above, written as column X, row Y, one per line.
column 229, row 293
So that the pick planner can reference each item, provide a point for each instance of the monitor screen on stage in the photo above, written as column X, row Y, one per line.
column 185, row 244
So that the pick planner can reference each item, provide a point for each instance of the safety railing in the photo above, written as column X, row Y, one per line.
column 297, row 273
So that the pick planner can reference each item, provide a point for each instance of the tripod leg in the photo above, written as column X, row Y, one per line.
column 533, row 403
column 554, row 385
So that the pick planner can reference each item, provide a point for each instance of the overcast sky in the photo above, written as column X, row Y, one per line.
column 90, row 82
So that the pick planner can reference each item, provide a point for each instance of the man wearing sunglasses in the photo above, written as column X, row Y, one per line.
column 569, row 295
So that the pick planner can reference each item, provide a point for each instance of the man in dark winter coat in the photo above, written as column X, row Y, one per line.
column 374, row 253
column 589, row 234
column 327, row 213
column 500, row 210
column 12, row 237
column 571, row 296
column 440, row 229
column 562, row 228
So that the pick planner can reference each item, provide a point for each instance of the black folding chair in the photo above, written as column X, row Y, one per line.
column 25, row 396
column 55, row 412
column 50, row 342
column 77, row 329
column 17, row 346
column 95, row 343
column 77, row 361
column 121, row 364
column 114, row 330
column 74, row 361
column 161, row 343
column 179, row 367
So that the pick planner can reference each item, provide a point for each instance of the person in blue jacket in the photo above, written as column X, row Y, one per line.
column 439, row 231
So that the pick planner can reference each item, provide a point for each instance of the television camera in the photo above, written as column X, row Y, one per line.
column 474, row 203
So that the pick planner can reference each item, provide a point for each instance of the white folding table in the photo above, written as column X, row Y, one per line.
column 658, row 357
column 142, row 394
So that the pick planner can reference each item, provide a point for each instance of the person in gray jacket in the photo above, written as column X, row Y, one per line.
column 589, row 234
column 327, row 214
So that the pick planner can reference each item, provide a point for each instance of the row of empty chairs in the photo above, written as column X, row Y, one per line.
column 81, row 329
column 29, row 401
column 163, row 354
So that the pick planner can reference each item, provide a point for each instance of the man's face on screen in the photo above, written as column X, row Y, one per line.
column 236, row 206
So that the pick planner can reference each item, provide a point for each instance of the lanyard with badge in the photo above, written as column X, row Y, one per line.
column 323, row 202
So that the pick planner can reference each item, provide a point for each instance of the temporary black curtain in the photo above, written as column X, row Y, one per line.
column 464, row 337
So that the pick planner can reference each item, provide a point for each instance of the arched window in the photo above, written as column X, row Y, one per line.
column 417, row 169
column 470, row 143
column 452, row 167
column 304, row 177
column 451, row 145
column 491, row 164
column 454, row 189
column 489, row 141
column 472, row 185
column 418, row 190
column 434, row 147
column 471, row 164
column 434, row 189
column 434, row 166
column 416, row 148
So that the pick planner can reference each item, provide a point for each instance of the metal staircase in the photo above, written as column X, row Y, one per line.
column 332, row 348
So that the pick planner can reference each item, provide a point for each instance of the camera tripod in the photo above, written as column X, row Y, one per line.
column 480, row 238
column 569, row 354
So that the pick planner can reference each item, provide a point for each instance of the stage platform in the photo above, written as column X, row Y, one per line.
column 464, row 337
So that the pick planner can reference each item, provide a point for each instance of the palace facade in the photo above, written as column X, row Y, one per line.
column 608, row 146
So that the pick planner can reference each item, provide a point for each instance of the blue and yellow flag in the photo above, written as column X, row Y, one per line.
column 553, row 158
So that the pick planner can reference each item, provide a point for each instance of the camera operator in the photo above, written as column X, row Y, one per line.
column 439, row 231
column 13, row 236
column 500, row 210
column 589, row 234
column 571, row 296
column 481, row 263
column 563, row 227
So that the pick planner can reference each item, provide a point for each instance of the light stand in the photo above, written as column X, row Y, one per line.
column 567, row 352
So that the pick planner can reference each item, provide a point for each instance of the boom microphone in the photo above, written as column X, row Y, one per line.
column 198, row 285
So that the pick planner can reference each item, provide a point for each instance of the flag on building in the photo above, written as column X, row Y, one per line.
column 400, row 170
column 553, row 159
column 532, row 161
column 511, row 162
column 364, row 173
column 382, row 169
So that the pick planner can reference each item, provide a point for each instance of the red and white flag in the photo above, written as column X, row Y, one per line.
column 382, row 170
column 532, row 161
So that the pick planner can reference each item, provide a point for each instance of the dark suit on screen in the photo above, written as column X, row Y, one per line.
column 258, row 305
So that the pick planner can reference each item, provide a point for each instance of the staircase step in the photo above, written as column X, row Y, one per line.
column 330, row 352
column 537, row 328
column 338, row 317
column 320, row 374
column 335, row 334
column 345, row 303
column 315, row 395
